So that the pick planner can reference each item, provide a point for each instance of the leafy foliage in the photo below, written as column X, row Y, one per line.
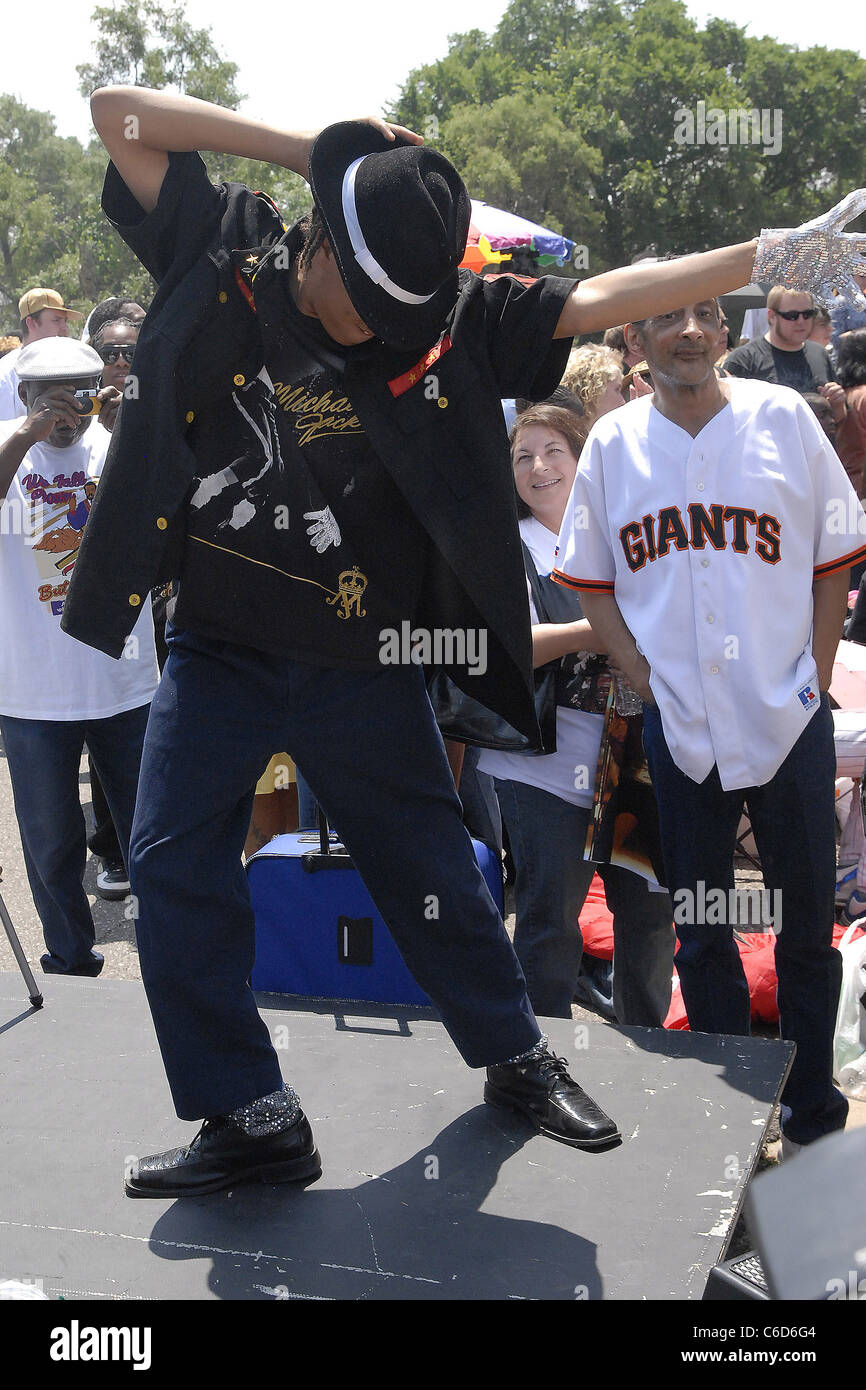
column 52, row 229
column 568, row 114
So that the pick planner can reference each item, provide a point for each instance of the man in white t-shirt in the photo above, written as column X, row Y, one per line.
column 56, row 694
column 43, row 315
column 710, row 533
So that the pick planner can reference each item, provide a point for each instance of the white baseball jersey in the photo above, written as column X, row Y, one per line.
column 711, row 546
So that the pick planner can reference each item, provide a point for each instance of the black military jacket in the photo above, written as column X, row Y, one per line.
column 447, row 452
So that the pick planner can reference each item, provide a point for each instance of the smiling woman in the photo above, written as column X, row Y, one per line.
column 547, row 802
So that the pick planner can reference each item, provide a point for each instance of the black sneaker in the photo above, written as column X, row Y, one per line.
column 90, row 967
column 113, row 881
column 540, row 1088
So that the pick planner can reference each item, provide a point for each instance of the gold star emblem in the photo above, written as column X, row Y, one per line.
column 251, row 260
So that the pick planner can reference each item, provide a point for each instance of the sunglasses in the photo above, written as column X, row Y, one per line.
column 111, row 352
column 793, row 314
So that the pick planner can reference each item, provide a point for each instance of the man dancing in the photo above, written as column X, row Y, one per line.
column 384, row 367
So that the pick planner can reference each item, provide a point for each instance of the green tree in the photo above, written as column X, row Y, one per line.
column 526, row 160
column 51, row 229
column 150, row 45
column 620, row 75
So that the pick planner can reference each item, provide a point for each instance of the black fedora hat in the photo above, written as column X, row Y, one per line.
column 397, row 218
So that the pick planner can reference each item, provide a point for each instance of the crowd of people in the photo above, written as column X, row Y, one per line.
column 666, row 499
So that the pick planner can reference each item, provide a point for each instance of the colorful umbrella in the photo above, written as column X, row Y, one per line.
column 494, row 234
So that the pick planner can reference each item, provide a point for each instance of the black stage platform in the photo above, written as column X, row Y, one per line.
column 427, row 1193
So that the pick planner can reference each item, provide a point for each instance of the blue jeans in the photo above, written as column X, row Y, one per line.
column 793, row 821
column 481, row 813
column 368, row 745
column 44, row 757
column 552, row 879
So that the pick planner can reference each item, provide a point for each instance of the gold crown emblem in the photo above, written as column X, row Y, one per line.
column 352, row 581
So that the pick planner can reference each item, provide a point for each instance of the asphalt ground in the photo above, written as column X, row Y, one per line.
column 115, row 933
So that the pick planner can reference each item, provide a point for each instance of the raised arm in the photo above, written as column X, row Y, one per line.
column 654, row 287
column 139, row 126
column 817, row 256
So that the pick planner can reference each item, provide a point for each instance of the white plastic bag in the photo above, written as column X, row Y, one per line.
column 849, row 1039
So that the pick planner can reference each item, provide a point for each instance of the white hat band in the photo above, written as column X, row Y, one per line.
column 363, row 255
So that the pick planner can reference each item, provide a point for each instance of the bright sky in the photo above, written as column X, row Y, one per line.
column 308, row 65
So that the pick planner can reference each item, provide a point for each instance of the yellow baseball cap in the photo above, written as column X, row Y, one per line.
column 35, row 300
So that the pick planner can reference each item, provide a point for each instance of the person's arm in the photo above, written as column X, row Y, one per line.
column 52, row 408
column 12, row 452
column 552, row 640
column 613, row 637
column 834, row 395
column 654, row 287
column 139, row 126
column 830, row 600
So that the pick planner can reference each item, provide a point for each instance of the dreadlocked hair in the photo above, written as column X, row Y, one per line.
column 314, row 233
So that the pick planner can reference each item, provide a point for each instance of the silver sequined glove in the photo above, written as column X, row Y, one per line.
column 818, row 256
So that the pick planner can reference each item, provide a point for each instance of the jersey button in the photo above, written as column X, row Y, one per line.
column 442, row 402
column 240, row 379
column 222, row 296
column 134, row 600
column 161, row 523
column 715, row 670
column 190, row 416
column 700, row 487
column 705, row 564
column 710, row 618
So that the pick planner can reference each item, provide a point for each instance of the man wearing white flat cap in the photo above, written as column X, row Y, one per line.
column 56, row 694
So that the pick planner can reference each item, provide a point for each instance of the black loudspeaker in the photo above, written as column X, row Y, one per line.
column 739, row 1280
column 808, row 1220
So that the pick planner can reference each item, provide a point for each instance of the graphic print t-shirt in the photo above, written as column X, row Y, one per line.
column 304, row 515
column 44, row 673
column 803, row 370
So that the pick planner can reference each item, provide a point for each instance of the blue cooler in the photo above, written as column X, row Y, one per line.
column 318, row 933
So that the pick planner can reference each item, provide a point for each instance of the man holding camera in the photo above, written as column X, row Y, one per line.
column 55, row 693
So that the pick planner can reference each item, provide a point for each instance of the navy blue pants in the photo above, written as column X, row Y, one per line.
column 792, row 818
column 368, row 745
column 44, row 757
column 551, row 882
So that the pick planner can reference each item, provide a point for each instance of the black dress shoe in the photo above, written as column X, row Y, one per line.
column 221, row 1154
column 541, row 1089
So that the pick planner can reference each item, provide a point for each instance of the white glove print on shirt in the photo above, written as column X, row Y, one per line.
column 324, row 531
